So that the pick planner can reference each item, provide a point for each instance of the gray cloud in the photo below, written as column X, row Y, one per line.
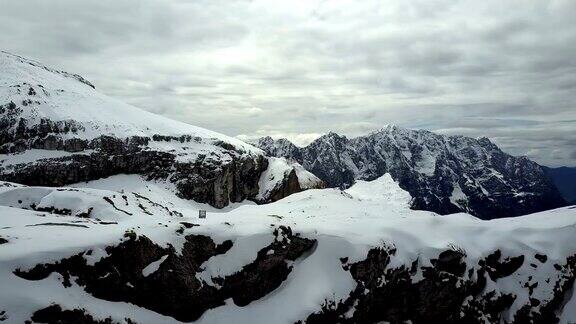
column 502, row 69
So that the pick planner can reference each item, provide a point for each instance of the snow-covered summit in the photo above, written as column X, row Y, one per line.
column 445, row 174
column 8, row 64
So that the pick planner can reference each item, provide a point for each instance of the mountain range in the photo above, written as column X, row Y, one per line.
column 444, row 174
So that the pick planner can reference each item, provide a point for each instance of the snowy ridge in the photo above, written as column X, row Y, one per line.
column 381, row 189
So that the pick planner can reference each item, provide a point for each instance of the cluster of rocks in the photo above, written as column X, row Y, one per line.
column 450, row 291
column 174, row 289
column 55, row 314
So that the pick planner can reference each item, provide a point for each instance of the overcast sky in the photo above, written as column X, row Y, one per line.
column 298, row 69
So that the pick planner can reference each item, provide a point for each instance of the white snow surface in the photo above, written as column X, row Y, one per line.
column 381, row 189
column 344, row 223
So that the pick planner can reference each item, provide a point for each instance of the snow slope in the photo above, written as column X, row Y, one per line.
column 60, row 96
column 345, row 224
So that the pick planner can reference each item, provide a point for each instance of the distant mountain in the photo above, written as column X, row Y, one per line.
column 56, row 130
column 565, row 180
column 444, row 174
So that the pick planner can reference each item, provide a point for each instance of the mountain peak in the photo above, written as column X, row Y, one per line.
column 330, row 136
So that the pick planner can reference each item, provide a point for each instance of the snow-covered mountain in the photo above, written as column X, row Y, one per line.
column 444, row 174
column 138, row 254
column 56, row 129
column 99, row 222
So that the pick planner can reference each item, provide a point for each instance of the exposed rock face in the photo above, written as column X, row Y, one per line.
column 449, row 292
column 217, row 180
column 444, row 174
column 269, row 270
column 289, row 185
column 56, row 130
column 283, row 178
column 280, row 148
column 446, row 289
column 170, row 290
column 173, row 288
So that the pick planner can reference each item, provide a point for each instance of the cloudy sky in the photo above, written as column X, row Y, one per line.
column 298, row 69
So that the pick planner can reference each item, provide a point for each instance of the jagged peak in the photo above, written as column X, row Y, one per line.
column 269, row 140
column 332, row 134
column 330, row 137
column 265, row 139
column 484, row 140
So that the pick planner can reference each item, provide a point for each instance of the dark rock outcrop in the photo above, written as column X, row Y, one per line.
column 444, row 174
column 269, row 269
column 450, row 291
column 287, row 186
column 226, row 176
column 173, row 288
column 498, row 268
